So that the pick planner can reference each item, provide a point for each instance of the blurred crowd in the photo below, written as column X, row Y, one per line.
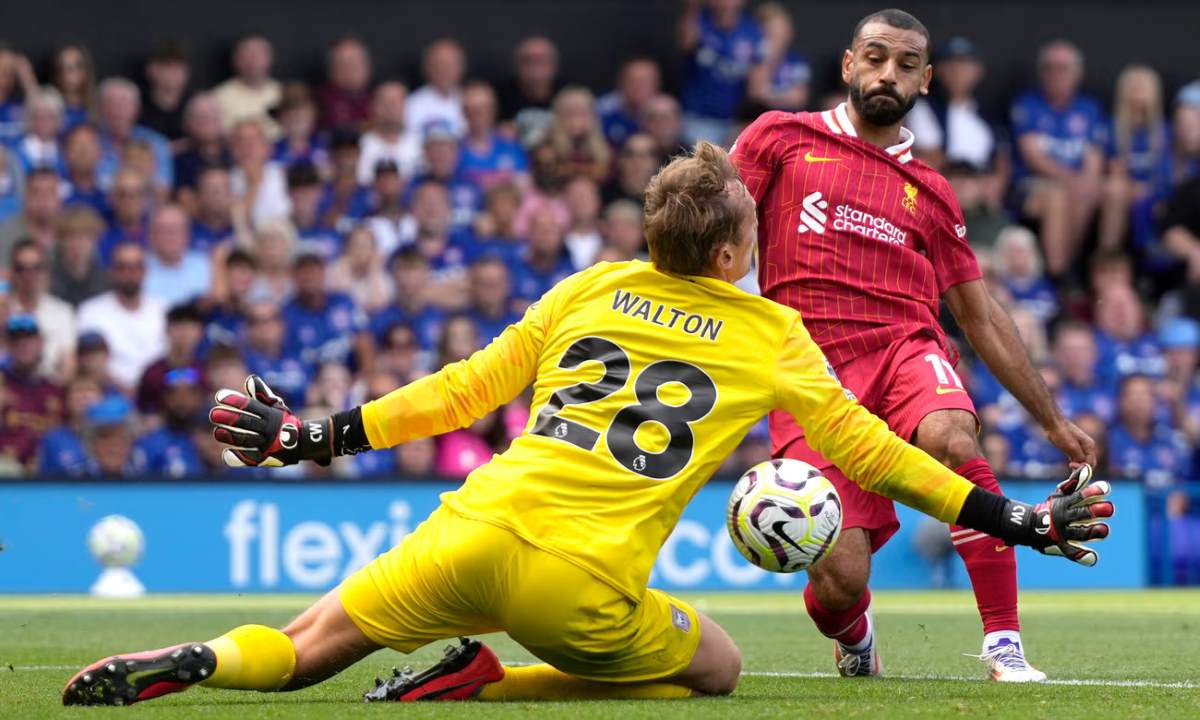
column 345, row 236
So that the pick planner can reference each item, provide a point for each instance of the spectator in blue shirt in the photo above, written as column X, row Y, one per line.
column 1060, row 137
column 129, row 198
column 75, row 79
column 1019, row 267
column 780, row 82
column 620, row 110
column 389, row 223
column 120, row 103
column 491, row 292
column 1179, row 339
column 204, row 145
column 410, row 305
column 109, row 439
column 62, row 450
column 170, row 449
column 485, row 157
column 81, row 162
column 722, row 44
column 233, row 283
column 264, row 354
column 175, row 273
column 323, row 327
column 1125, row 347
column 447, row 255
column 212, row 219
column 1080, row 390
column 1138, row 445
column 299, row 142
column 544, row 260
column 39, row 146
column 12, row 178
column 440, row 147
column 15, row 70
column 345, row 202
column 305, row 191
column 1138, row 152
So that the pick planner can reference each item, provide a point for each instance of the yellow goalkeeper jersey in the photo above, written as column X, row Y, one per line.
column 643, row 383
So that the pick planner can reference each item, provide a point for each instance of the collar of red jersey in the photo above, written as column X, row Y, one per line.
column 838, row 120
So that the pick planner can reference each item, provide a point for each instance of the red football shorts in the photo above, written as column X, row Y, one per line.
column 901, row 383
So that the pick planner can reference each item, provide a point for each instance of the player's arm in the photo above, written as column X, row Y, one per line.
column 259, row 428
column 995, row 339
column 872, row 455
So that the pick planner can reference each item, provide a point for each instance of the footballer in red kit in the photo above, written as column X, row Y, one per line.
column 867, row 242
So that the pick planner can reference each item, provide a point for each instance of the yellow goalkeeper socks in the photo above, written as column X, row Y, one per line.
column 252, row 657
column 542, row 682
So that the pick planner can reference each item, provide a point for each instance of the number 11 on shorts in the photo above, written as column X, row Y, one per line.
column 948, row 380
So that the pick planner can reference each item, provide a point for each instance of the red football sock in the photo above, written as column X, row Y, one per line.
column 848, row 627
column 991, row 565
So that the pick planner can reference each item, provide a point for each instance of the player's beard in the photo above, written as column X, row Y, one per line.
column 882, row 107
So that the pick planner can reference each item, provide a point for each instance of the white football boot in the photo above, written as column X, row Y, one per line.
column 864, row 662
column 1005, row 660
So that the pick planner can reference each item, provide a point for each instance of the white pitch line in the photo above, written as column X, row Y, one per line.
column 1180, row 685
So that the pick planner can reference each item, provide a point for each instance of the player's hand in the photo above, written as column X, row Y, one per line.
column 1077, row 445
column 1073, row 515
column 259, row 428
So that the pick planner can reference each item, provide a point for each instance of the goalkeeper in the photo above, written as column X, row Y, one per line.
column 645, row 376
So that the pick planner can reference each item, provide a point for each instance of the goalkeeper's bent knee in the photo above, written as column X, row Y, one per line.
column 252, row 657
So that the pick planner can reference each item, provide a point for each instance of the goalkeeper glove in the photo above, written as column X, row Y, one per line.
column 1072, row 515
column 261, row 431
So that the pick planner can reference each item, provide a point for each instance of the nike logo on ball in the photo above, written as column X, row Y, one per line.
column 809, row 157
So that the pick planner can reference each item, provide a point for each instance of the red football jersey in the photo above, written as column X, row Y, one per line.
column 862, row 241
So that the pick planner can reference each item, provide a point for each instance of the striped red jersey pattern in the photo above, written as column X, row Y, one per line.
column 862, row 241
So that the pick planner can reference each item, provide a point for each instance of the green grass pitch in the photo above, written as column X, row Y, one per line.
column 1109, row 654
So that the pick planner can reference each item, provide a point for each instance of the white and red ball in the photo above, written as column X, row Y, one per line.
column 784, row 515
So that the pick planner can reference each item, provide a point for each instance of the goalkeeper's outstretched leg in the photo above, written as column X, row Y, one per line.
column 317, row 645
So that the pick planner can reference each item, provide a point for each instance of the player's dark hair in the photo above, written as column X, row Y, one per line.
column 892, row 17
column 690, row 210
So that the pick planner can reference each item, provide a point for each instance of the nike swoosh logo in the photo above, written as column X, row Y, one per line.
column 809, row 157
column 1000, row 548
column 947, row 391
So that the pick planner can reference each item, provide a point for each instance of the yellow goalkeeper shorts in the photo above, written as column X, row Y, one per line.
column 458, row 576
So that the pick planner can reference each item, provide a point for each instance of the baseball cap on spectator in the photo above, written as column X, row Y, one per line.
column 89, row 341
column 112, row 410
column 957, row 48
column 21, row 326
column 1188, row 95
column 184, row 312
column 1179, row 333
column 182, row 377
column 302, row 174
column 386, row 166
column 308, row 251
column 343, row 137
column 438, row 131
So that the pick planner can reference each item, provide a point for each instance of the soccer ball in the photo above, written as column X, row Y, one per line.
column 116, row 541
column 784, row 515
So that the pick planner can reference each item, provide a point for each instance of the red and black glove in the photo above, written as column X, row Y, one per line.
column 1072, row 515
column 261, row 431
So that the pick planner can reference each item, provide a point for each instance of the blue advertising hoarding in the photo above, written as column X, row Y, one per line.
column 276, row 537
